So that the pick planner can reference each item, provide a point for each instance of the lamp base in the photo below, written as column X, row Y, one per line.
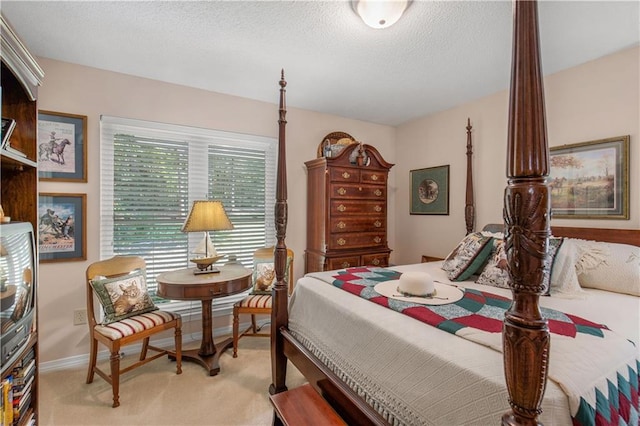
column 209, row 270
column 205, row 265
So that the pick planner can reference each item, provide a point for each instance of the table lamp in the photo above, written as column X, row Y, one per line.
column 205, row 216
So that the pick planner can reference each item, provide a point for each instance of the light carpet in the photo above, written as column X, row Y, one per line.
column 155, row 395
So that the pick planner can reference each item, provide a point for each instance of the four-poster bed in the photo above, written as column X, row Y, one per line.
column 315, row 345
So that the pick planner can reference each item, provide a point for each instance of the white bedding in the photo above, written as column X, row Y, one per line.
column 416, row 374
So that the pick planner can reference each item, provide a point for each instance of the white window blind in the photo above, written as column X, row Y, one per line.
column 152, row 172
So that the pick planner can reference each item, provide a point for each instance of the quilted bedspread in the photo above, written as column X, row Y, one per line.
column 597, row 369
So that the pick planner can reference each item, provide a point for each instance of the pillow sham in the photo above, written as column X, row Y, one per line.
column 618, row 271
column 564, row 277
column 468, row 257
column 124, row 296
column 495, row 272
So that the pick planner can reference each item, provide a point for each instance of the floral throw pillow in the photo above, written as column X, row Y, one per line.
column 468, row 257
column 264, row 275
column 495, row 273
column 123, row 297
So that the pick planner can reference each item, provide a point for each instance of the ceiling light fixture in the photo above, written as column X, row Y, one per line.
column 380, row 13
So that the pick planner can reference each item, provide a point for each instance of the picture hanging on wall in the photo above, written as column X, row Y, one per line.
column 430, row 190
column 590, row 180
column 62, row 227
column 62, row 147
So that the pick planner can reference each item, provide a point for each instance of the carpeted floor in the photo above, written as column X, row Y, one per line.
column 154, row 395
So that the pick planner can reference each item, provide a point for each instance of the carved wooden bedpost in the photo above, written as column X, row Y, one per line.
column 279, row 294
column 469, row 209
column 525, row 334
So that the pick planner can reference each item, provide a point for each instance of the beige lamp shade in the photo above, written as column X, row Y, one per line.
column 207, row 215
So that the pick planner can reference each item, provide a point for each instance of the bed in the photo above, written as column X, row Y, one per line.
column 526, row 371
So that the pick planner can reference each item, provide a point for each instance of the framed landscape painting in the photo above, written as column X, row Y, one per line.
column 62, row 147
column 62, row 227
column 590, row 180
column 430, row 190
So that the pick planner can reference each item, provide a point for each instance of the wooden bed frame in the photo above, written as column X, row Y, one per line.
column 526, row 216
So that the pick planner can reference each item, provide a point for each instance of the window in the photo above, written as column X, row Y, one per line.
column 150, row 175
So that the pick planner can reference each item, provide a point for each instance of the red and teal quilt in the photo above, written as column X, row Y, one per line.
column 601, row 390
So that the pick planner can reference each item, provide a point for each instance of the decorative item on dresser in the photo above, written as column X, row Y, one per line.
column 347, row 209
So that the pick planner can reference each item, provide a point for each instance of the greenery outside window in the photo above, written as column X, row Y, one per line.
column 152, row 172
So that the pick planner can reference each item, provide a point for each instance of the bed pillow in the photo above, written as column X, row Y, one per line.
column 564, row 277
column 618, row 269
column 468, row 257
column 495, row 272
column 123, row 297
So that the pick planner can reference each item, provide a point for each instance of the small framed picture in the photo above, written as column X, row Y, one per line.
column 590, row 180
column 430, row 190
column 62, row 227
column 8, row 124
column 62, row 147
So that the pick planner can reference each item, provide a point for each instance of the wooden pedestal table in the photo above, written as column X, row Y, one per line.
column 182, row 284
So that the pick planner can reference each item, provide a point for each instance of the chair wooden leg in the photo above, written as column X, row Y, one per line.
column 178, row 344
column 93, row 354
column 236, row 325
column 253, row 324
column 145, row 347
column 115, row 376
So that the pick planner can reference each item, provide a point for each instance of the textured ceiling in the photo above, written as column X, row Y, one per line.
column 439, row 55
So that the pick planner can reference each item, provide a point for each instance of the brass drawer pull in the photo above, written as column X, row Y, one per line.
column 377, row 224
column 342, row 225
column 342, row 191
column 377, row 240
column 377, row 192
column 341, row 208
column 342, row 241
column 378, row 208
column 346, row 175
column 345, row 264
column 374, row 177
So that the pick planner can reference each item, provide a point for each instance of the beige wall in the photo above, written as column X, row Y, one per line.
column 593, row 101
column 91, row 92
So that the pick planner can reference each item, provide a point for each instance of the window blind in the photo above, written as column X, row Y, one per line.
column 152, row 172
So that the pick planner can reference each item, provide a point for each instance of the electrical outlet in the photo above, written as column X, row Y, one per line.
column 79, row 316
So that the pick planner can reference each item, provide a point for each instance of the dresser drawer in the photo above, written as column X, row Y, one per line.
column 341, row 174
column 350, row 207
column 357, row 240
column 373, row 177
column 379, row 259
column 342, row 262
column 360, row 191
column 358, row 224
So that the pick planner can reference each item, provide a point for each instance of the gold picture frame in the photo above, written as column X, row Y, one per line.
column 590, row 180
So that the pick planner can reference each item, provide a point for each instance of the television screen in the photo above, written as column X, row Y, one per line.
column 17, row 288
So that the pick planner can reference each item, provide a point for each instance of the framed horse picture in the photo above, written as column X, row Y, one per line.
column 62, row 227
column 62, row 147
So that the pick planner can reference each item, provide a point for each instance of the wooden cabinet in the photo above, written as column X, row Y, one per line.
column 20, row 78
column 347, row 211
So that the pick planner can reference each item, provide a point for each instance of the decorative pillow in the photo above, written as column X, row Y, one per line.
column 123, row 297
column 564, row 279
column 618, row 272
column 264, row 275
column 495, row 273
column 467, row 258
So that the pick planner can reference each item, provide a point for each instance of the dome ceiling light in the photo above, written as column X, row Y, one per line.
column 380, row 13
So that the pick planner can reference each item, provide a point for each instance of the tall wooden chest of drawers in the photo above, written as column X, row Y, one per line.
column 347, row 211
